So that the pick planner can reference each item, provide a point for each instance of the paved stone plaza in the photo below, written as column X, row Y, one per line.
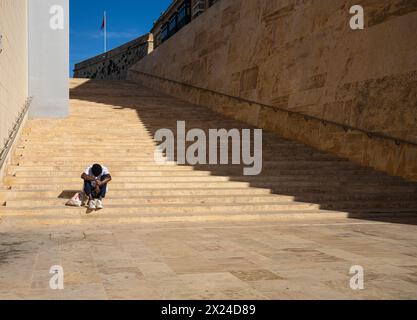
column 253, row 260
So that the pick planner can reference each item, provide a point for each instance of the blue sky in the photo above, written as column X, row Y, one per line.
column 126, row 20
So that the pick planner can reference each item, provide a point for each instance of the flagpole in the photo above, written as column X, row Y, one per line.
column 105, row 31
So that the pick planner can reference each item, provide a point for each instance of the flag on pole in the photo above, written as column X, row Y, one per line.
column 103, row 25
column 104, row 28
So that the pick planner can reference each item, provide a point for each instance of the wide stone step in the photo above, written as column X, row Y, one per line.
column 128, row 199
column 116, row 179
column 128, row 163
column 125, row 118
column 113, row 157
column 138, row 151
column 366, row 180
column 198, row 195
column 123, row 142
column 79, row 168
column 131, row 141
column 22, row 172
column 129, row 186
column 75, row 123
column 149, row 137
column 123, row 131
column 184, row 192
column 217, row 200
column 152, row 166
column 129, row 149
column 279, row 187
column 173, row 208
column 110, row 164
column 110, row 140
column 105, row 157
column 78, row 145
column 119, row 174
column 81, row 216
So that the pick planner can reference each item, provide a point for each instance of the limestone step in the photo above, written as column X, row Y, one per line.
column 51, row 145
column 81, row 216
column 79, row 168
column 123, row 118
column 128, row 199
column 197, row 195
column 115, row 165
column 129, row 186
column 75, row 144
column 135, row 165
column 169, row 208
column 9, row 180
column 119, row 174
column 110, row 140
column 184, row 192
column 132, row 139
column 106, row 157
column 147, row 156
column 127, row 148
column 91, row 136
column 116, row 179
column 122, row 130
column 129, row 163
column 22, row 172
column 276, row 187
column 137, row 150
column 145, row 135
column 290, row 168
column 78, row 217
column 217, row 200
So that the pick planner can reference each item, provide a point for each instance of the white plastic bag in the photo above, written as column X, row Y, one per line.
column 76, row 200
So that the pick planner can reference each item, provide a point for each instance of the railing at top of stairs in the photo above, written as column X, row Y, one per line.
column 4, row 151
column 346, row 128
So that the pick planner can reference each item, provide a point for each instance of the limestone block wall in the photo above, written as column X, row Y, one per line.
column 302, row 56
column 13, row 64
column 114, row 64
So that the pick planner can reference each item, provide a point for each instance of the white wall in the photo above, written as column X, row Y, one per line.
column 48, row 60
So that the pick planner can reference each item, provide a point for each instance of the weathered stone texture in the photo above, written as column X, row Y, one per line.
column 113, row 65
column 301, row 55
column 13, row 64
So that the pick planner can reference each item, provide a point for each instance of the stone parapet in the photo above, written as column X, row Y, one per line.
column 114, row 64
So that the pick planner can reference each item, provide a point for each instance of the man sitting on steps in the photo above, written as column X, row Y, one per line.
column 96, row 179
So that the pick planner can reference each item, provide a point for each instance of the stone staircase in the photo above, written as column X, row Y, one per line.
column 113, row 123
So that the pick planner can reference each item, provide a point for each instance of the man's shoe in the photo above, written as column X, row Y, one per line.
column 92, row 205
column 99, row 204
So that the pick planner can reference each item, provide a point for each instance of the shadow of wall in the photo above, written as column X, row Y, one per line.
column 289, row 168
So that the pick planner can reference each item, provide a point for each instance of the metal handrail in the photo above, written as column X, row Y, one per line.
column 13, row 132
column 307, row 117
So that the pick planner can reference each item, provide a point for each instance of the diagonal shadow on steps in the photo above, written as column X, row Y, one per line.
column 290, row 168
